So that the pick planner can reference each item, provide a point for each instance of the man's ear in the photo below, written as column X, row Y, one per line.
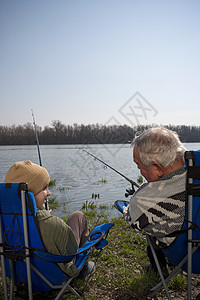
column 159, row 169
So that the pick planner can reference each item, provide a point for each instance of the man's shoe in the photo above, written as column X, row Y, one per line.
column 87, row 271
column 149, row 268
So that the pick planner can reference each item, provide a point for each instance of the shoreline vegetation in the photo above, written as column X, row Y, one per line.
column 119, row 273
column 60, row 133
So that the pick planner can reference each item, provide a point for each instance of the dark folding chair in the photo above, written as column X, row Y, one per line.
column 23, row 256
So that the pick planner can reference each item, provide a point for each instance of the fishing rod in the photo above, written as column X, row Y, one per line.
column 38, row 147
column 37, row 140
column 133, row 183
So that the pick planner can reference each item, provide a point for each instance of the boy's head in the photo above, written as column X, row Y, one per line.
column 36, row 176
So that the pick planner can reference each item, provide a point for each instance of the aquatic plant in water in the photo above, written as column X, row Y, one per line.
column 140, row 179
column 88, row 205
column 53, row 203
column 103, row 180
column 95, row 196
column 52, row 182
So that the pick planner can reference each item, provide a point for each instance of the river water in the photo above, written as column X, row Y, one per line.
column 78, row 175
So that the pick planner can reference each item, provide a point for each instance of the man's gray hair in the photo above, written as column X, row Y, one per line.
column 159, row 144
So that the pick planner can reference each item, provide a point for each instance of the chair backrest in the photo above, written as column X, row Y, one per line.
column 12, row 216
column 179, row 248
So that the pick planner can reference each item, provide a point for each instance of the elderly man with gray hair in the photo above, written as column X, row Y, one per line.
column 158, row 206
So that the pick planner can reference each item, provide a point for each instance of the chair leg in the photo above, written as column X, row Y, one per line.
column 11, row 289
column 159, row 286
column 189, row 267
column 158, row 267
column 5, row 287
column 4, row 278
column 28, row 268
column 67, row 286
column 12, row 280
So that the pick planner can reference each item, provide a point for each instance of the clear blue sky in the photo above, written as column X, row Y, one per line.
column 81, row 61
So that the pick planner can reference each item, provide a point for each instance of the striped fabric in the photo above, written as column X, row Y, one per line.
column 159, row 207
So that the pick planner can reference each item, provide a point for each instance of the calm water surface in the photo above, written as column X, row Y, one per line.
column 77, row 174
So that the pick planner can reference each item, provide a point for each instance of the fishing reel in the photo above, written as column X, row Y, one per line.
column 130, row 191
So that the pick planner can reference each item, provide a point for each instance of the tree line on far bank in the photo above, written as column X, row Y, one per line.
column 60, row 133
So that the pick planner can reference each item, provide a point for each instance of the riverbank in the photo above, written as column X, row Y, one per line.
column 119, row 274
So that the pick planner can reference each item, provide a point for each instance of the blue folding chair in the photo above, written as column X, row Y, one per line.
column 23, row 256
column 184, row 252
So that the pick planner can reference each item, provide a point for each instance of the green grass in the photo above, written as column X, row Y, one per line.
column 119, row 271
column 178, row 283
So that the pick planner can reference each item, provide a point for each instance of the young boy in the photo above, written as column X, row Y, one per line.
column 59, row 238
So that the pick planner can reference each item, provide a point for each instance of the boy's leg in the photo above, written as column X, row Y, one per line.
column 78, row 223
